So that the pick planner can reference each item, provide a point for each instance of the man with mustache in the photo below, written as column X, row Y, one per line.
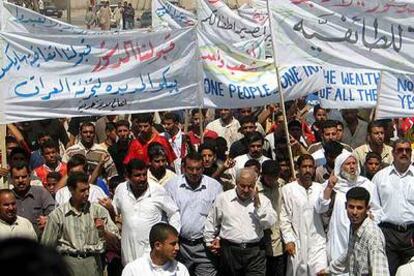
column 395, row 194
column 158, row 171
column 164, row 249
column 12, row 225
column 302, row 228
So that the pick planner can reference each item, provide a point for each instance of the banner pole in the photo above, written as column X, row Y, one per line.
column 282, row 101
column 3, row 181
column 201, row 125
column 373, row 115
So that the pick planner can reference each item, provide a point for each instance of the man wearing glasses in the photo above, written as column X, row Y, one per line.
column 395, row 194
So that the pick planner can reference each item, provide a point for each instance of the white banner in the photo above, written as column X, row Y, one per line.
column 224, row 26
column 375, row 34
column 64, row 76
column 257, row 15
column 396, row 97
column 234, row 80
column 165, row 14
column 349, row 88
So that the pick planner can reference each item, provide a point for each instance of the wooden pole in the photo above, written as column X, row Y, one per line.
column 373, row 115
column 3, row 182
column 282, row 101
column 201, row 126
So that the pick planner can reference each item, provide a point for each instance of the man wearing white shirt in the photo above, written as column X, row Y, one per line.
column 12, row 225
column 333, row 197
column 302, row 228
column 226, row 126
column 142, row 205
column 395, row 194
column 161, row 260
column 239, row 218
column 255, row 146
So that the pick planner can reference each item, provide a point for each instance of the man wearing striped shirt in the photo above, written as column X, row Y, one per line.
column 80, row 230
column 92, row 151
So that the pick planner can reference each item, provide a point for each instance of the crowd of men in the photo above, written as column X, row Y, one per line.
column 212, row 192
column 121, row 17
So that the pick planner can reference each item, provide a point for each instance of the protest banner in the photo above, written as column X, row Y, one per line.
column 349, row 88
column 167, row 15
column 355, row 34
column 51, row 76
column 235, row 80
column 224, row 26
column 397, row 96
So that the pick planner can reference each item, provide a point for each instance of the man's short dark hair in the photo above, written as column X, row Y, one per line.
column 316, row 108
column 124, row 123
column 19, row 165
column 5, row 191
column 171, row 116
column 193, row 155
column 41, row 133
column 247, row 119
column 110, row 126
column 401, row 141
column 253, row 162
column 254, row 137
column 159, row 233
column 339, row 123
column 54, row 175
column 22, row 151
column 371, row 155
column 49, row 144
column 77, row 160
column 328, row 124
column 155, row 150
column 358, row 193
column 207, row 146
column 87, row 124
column 304, row 157
column 135, row 164
column 76, row 177
column 373, row 124
column 38, row 259
column 142, row 118
column 333, row 148
column 11, row 139
column 270, row 167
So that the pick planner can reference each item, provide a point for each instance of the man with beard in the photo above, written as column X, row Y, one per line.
column 346, row 175
column 395, row 194
column 164, row 249
column 92, row 151
column 141, row 205
column 238, row 219
column 376, row 134
column 247, row 126
column 12, row 225
column 301, row 226
column 194, row 194
column 255, row 145
column 142, row 126
column 158, row 171
column 119, row 150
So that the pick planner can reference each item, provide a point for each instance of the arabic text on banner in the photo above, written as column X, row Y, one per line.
column 375, row 34
column 64, row 76
column 167, row 15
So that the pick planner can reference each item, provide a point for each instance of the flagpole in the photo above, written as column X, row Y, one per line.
column 282, row 100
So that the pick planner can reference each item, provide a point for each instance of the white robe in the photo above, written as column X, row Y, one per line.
column 300, row 224
column 339, row 224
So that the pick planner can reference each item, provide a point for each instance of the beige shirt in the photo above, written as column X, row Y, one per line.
column 362, row 151
column 359, row 136
column 229, row 132
column 22, row 228
column 168, row 175
column 275, row 197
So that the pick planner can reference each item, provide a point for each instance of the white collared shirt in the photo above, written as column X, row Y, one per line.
column 239, row 221
column 95, row 193
column 140, row 214
column 144, row 266
column 21, row 228
column 394, row 193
